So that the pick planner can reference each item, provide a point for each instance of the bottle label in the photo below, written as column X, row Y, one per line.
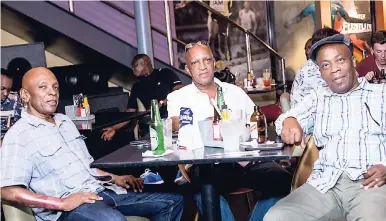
column 253, row 129
column 216, row 132
column 153, row 139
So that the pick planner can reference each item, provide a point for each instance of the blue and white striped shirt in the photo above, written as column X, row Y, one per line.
column 350, row 128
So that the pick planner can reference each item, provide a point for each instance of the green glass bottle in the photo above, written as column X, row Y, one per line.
column 220, row 98
column 156, row 130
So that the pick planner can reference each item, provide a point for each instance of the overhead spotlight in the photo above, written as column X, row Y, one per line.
column 71, row 80
column 95, row 77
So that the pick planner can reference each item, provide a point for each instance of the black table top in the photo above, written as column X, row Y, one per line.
column 107, row 119
column 131, row 156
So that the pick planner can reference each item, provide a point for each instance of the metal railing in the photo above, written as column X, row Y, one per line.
column 249, row 34
column 171, row 39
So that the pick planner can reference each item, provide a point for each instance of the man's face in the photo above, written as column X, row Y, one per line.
column 307, row 48
column 42, row 94
column 140, row 68
column 336, row 65
column 200, row 65
column 6, row 85
column 246, row 5
column 380, row 53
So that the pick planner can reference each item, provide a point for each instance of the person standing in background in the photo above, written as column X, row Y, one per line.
column 8, row 104
column 152, row 84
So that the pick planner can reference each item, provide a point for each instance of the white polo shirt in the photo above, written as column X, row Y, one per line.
column 191, row 97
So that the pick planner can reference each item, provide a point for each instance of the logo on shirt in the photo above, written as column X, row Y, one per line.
column 186, row 116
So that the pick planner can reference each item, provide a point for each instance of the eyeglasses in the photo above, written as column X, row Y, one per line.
column 191, row 45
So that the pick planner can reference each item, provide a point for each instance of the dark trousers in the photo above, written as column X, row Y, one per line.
column 269, row 178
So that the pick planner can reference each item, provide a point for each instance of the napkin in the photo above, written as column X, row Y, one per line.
column 253, row 143
column 149, row 153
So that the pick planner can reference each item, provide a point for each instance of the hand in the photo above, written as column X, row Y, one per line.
column 369, row 76
column 129, row 181
column 291, row 133
column 180, row 5
column 76, row 199
column 108, row 134
column 375, row 176
column 162, row 103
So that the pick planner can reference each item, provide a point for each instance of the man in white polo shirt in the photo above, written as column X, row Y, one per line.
column 269, row 177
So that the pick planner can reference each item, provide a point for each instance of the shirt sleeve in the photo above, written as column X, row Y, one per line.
column 361, row 68
column 132, row 103
column 173, row 79
column 16, row 167
column 298, row 87
column 305, row 114
column 172, row 104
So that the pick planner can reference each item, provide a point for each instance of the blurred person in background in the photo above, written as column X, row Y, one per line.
column 377, row 61
column 151, row 84
column 7, row 103
column 308, row 76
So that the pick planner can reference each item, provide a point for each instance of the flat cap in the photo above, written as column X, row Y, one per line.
column 335, row 39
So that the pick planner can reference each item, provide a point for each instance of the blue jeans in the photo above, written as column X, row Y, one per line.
column 225, row 210
column 114, row 207
column 257, row 213
column 262, row 208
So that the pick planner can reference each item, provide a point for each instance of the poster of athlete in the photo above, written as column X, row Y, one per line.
column 359, row 31
column 348, row 17
column 194, row 23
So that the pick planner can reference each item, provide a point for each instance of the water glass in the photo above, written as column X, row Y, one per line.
column 168, row 134
column 230, row 133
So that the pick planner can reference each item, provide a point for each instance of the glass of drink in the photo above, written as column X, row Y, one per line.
column 267, row 78
column 230, row 136
column 168, row 134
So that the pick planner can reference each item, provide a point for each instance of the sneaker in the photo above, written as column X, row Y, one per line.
column 180, row 179
column 151, row 178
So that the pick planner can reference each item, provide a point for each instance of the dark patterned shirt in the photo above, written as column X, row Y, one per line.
column 9, row 105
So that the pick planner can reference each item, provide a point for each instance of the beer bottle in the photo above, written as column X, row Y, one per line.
column 156, row 130
column 224, row 112
column 220, row 98
column 216, row 126
column 259, row 125
column 383, row 77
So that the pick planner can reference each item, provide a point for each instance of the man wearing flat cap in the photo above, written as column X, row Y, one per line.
column 348, row 122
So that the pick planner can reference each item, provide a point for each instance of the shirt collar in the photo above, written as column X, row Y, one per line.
column 363, row 85
column 217, row 81
column 35, row 121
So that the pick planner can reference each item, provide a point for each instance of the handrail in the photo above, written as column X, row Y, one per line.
column 206, row 6
column 123, row 11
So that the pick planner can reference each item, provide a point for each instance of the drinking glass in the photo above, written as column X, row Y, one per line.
column 168, row 134
column 230, row 133
column 267, row 78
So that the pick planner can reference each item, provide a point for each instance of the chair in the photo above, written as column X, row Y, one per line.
column 305, row 165
column 16, row 212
